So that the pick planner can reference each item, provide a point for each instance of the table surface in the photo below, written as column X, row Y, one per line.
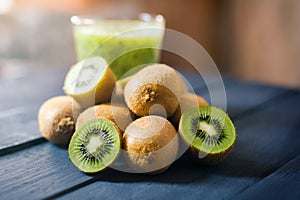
column 264, row 163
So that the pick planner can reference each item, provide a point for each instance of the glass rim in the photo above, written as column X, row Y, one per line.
column 94, row 19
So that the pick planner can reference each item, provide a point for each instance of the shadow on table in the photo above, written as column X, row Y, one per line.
column 182, row 171
column 244, row 161
column 186, row 171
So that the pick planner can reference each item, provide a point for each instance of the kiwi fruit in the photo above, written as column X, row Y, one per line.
column 90, row 82
column 151, row 144
column 186, row 101
column 57, row 118
column 154, row 84
column 118, row 93
column 116, row 113
column 95, row 145
column 209, row 132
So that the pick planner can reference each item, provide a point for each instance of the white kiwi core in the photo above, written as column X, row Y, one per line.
column 95, row 142
column 85, row 75
column 208, row 128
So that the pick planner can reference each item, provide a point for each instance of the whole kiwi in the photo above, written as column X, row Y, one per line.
column 186, row 101
column 151, row 144
column 152, row 85
column 116, row 113
column 118, row 93
column 57, row 118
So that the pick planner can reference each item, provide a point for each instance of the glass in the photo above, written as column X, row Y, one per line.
column 124, row 42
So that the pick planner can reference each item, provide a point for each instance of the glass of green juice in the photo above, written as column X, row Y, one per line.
column 125, row 42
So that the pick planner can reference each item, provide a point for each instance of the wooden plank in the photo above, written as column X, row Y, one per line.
column 242, row 96
column 282, row 184
column 19, row 103
column 37, row 172
column 45, row 170
column 265, row 142
column 18, row 116
column 35, row 85
column 195, row 80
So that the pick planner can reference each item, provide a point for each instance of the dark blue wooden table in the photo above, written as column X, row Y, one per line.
column 264, row 164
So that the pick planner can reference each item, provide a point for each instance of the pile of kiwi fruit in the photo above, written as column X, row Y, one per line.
column 143, row 120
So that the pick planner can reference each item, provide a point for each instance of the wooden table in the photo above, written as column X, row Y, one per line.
column 264, row 164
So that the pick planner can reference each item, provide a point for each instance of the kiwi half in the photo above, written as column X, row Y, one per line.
column 186, row 101
column 90, row 82
column 209, row 132
column 95, row 145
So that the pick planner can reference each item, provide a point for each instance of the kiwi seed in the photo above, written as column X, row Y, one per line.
column 57, row 118
column 95, row 145
column 209, row 132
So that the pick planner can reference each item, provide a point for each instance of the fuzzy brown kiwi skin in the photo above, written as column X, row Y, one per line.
column 57, row 118
column 157, row 172
column 117, row 113
column 154, row 84
column 209, row 159
column 117, row 157
column 186, row 101
column 118, row 94
column 136, row 147
column 150, row 94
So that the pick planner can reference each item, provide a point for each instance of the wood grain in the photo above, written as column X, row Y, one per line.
column 241, row 96
column 282, row 184
column 265, row 142
column 37, row 172
column 20, row 100
column 44, row 170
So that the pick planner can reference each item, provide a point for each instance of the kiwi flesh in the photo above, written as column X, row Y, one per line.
column 154, row 84
column 116, row 113
column 209, row 132
column 186, row 101
column 57, row 118
column 95, row 145
column 90, row 82
column 151, row 144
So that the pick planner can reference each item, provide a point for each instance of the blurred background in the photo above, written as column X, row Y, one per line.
column 255, row 40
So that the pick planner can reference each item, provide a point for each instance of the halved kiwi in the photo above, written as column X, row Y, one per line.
column 209, row 132
column 90, row 82
column 95, row 145
column 186, row 101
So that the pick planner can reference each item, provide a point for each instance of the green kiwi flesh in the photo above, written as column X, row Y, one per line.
column 95, row 145
column 209, row 132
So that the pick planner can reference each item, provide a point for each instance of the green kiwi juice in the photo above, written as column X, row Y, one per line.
column 125, row 44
